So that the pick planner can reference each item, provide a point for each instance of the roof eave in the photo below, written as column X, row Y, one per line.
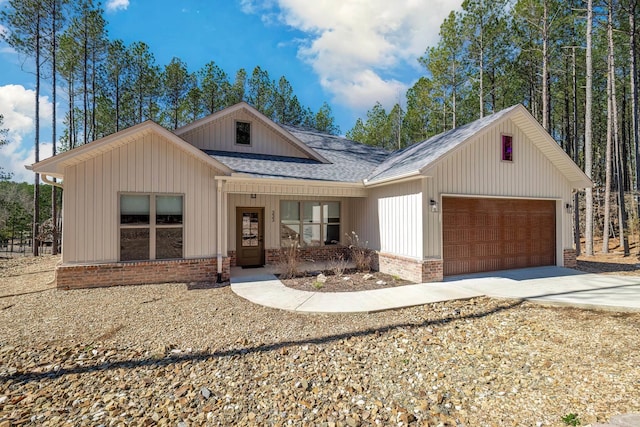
column 409, row 176
column 54, row 166
column 241, row 177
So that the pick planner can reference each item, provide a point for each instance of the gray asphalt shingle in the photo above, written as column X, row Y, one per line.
column 351, row 161
column 422, row 154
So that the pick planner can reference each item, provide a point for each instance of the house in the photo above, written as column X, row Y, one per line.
column 148, row 205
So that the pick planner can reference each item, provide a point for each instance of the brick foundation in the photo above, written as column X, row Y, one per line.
column 569, row 257
column 316, row 253
column 141, row 272
column 419, row 271
column 429, row 270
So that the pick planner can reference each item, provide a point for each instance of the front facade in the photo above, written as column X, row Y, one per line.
column 146, row 205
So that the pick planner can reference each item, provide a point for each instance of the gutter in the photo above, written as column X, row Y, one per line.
column 394, row 179
column 47, row 180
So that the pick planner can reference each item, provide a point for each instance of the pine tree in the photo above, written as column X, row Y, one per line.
column 25, row 20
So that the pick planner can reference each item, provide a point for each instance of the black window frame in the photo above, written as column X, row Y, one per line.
column 243, row 133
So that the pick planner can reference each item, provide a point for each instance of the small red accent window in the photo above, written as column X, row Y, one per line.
column 507, row 148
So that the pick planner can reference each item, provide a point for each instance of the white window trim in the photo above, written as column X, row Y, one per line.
column 502, row 135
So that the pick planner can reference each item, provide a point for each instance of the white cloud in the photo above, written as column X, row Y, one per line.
column 356, row 47
column 15, row 156
column 114, row 5
column 18, row 108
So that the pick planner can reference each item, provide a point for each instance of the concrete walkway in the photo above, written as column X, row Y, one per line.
column 548, row 285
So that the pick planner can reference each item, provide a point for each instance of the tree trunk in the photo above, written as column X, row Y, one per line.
column 54, row 189
column 607, row 176
column 634, row 101
column 454, row 94
column 588, row 133
column 36, row 188
column 85, row 79
column 576, row 210
column 545, row 68
column 622, row 215
column 481, row 69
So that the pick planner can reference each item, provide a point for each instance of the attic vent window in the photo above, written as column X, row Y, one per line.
column 507, row 148
column 243, row 133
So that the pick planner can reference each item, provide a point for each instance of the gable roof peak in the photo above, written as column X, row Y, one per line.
column 415, row 159
column 284, row 133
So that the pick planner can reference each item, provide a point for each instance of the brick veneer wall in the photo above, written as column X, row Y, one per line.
column 316, row 253
column 569, row 256
column 419, row 271
column 140, row 272
column 429, row 270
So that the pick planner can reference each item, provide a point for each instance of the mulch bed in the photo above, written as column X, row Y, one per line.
column 347, row 282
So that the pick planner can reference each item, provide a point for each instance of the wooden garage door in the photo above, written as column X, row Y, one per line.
column 497, row 234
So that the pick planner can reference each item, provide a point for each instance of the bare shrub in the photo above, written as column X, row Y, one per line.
column 337, row 265
column 289, row 259
column 359, row 252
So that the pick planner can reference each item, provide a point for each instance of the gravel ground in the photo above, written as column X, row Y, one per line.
column 178, row 354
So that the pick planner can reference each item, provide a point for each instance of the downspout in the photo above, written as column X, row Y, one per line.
column 219, row 229
column 47, row 180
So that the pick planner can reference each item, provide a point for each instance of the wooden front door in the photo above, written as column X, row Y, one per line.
column 249, row 236
column 497, row 234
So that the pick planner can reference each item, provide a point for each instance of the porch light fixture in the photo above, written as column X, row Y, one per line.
column 434, row 205
column 253, row 195
column 568, row 207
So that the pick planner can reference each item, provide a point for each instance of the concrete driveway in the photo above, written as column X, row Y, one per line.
column 549, row 285
column 556, row 285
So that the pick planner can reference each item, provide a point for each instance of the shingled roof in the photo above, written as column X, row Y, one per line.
column 420, row 155
column 353, row 162
column 350, row 161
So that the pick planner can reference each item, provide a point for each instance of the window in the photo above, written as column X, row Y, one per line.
column 507, row 148
column 151, row 226
column 314, row 223
column 243, row 133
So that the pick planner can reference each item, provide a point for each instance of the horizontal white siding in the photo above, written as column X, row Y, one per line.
column 271, row 205
column 148, row 164
column 390, row 219
column 477, row 169
column 221, row 135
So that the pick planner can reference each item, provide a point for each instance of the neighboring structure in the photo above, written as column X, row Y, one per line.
column 148, row 205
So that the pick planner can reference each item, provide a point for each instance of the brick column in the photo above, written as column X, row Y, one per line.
column 569, row 257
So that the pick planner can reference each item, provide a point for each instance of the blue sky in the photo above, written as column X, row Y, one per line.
column 350, row 53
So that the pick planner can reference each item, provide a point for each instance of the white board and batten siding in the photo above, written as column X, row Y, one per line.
column 271, row 205
column 477, row 169
column 390, row 219
column 221, row 135
column 149, row 164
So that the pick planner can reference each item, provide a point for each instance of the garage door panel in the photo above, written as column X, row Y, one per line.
column 497, row 234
